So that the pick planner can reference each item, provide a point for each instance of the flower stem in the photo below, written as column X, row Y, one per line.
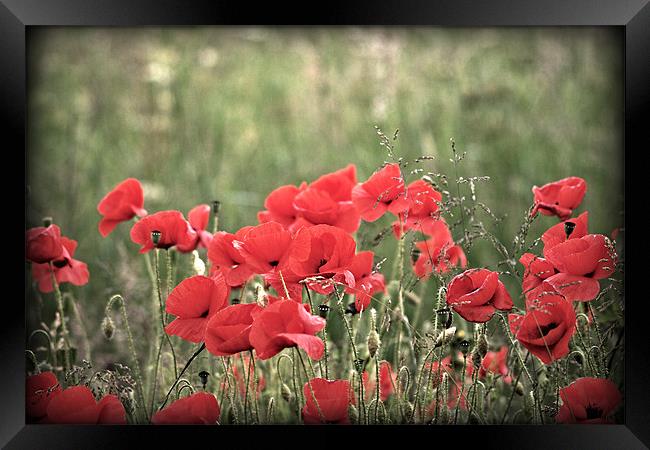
column 67, row 364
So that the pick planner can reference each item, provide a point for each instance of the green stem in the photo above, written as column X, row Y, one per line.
column 64, row 329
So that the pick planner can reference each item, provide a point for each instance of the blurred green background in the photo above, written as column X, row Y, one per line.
column 231, row 113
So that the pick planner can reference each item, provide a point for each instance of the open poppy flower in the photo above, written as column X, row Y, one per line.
column 383, row 191
column 448, row 366
column 43, row 244
column 536, row 270
column 581, row 263
column 279, row 205
column 574, row 228
column 199, row 217
column 228, row 330
column 125, row 201
column 201, row 408
column 476, row 294
column 316, row 206
column 332, row 399
column 173, row 228
column 496, row 362
column 41, row 388
column 194, row 301
column 77, row 405
column 386, row 380
column 588, row 400
column 421, row 213
column 264, row 247
column 285, row 324
column 546, row 328
column 323, row 251
column 227, row 260
column 366, row 281
column 438, row 252
column 66, row 269
column 559, row 198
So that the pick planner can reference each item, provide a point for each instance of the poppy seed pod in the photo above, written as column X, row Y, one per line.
column 155, row 237
column 568, row 228
column 108, row 327
column 47, row 221
column 203, row 375
column 216, row 205
column 323, row 310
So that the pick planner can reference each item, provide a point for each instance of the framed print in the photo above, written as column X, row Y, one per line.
column 395, row 218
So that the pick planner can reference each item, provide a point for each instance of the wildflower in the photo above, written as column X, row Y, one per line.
column 66, row 269
column 43, row 244
column 366, row 281
column 421, row 213
column 125, row 201
column 476, row 294
column 588, row 400
column 77, row 405
column 228, row 260
column 201, row 408
column 40, row 390
column 559, row 198
column 199, row 217
column 383, row 191
column 228, row 330
column 174, row 230
column 194, row 301
column 496, row 362
column 332, row 399
column 438, row 252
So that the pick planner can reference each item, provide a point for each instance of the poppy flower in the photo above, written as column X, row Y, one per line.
column 201, row 408
column 41, row 388
column 43, row 244
column 173, row 228
column 536, row 270
column 66, row 269
column 228, row 330
column 264, row 247
column 497, row 363
column 387, row 378
column 438, row 252
column 226, row 259
column 588, row 400
column 366, row 281
column 77, row 405
column 332, row 399
column 279, row 205
column 194, row 301
column 546, row 328
column 383, row 191
column 476, row 294
column 199, row 217
column 448, row 366
column 559, row 198
column 125, row 201
column 316, row 206
column 563, row 231
column 285, row 324
column 421, row 213
column 581, row 263
column 240, row 378
column 324, row 251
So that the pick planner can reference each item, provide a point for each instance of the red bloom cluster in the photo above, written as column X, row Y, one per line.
column 476, row 294
column 325, row 201
column 438, row 252
column 51, row 253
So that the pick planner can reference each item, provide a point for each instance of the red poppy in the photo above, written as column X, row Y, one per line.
column 581, row 263
column 563, row 231
column 332, row 399
column 201, row 408
column 476, row 294
column 588, row 400
column 43, row 244
column 77, row 405
column 279, row 206
column 323, row 251
column 366, row 281
column 536, row 270
column 66, row 269
column 264, row 247
column 121, row 204
column 285, row 324
column 194, row 301
column 439, row 252
column 173, row 228
column 387, row 378
column 40, row 390
column 497, row 363
column 227, row 260
column 421, row 214
column 316, row 206
column 448, row 366
column 559, row 198
column 546, row 328
column 383, row 191
column 228, row 330
column 199, row 217
column 240, row 378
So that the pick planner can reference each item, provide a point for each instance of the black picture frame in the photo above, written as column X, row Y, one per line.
column 631, row 16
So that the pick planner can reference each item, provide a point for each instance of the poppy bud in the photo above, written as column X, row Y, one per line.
column 216, row 204
column 155, row 237
column 286, row 393
column 464, row 346
column 47, row 221
column 519, row 388
column 476, row 359
column 445, row 336
column 408, row 409
column 323, row 310
column 203, row 375
column 353, row 413
column 197, row 264
column 568, row 228
column 482, row 345
column 373, row 342
column 108, row 327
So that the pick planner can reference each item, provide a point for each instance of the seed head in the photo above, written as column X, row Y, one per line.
column 108, row 327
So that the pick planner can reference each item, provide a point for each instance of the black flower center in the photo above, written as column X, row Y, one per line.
column 274, row 263
column 545, row 329
column 594, row 412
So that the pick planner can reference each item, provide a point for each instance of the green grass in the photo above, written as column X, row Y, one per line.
column 226, row 113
